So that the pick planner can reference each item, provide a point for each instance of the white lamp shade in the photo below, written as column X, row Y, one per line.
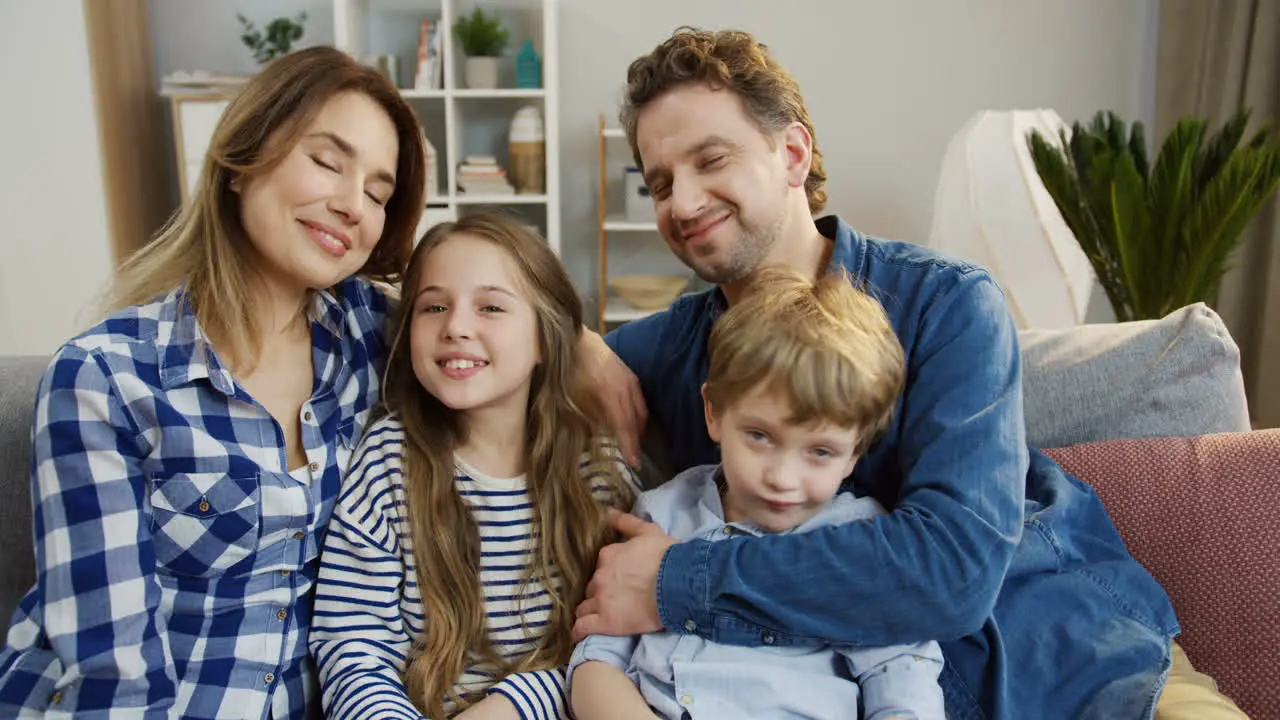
column 992, row 209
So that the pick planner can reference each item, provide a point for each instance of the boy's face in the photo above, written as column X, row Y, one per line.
column 777, row 474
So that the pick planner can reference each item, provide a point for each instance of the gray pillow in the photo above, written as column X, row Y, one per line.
column 1172, row 377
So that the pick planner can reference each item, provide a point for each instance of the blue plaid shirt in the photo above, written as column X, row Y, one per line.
column 175, row 552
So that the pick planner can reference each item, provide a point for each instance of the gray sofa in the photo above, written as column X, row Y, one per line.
column 1178, row 376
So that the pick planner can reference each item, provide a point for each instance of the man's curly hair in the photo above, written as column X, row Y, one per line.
column 724, row 59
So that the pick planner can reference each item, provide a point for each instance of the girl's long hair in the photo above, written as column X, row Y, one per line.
column 568, row 526
column 205, row 245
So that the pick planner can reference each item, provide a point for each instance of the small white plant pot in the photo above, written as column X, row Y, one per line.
column 480, row 73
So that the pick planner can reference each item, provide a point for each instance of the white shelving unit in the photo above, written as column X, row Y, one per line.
column 461, row 121
column 611, row 308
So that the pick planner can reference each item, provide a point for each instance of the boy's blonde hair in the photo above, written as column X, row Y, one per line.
column 826, row 345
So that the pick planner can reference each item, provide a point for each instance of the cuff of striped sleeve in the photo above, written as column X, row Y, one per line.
column 537, row 695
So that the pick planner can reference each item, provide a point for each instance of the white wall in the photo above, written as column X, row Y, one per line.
column 205, row 34
column 55, row 257
column 887, row 82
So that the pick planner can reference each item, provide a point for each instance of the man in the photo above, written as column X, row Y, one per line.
column 990, row 548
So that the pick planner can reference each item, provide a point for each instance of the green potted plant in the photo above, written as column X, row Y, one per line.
column 276, row 39
column 483, row 39
column 1159, row 236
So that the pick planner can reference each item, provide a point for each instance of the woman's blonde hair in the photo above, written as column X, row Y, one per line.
column 204, row 245
column 826, row 346
column 568, row 525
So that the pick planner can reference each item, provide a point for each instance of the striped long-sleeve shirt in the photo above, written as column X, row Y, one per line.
column 368, row 606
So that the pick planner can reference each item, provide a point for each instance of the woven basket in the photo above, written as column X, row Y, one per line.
column 648, row 292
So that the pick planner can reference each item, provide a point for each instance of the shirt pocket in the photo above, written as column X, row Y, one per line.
column 204, row 524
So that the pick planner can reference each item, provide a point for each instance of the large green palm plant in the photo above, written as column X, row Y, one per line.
column 1159, row 237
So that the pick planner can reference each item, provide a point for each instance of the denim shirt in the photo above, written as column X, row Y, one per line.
column 989, row 547
column 680, row 674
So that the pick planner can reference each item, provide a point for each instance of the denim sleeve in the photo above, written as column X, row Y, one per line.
column 636, row 344
column 930, row 569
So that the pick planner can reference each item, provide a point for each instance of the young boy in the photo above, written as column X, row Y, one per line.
column 802, row 378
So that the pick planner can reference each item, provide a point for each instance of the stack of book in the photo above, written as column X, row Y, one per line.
column 482, row 175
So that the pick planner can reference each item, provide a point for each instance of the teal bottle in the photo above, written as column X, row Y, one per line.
column 528, row 67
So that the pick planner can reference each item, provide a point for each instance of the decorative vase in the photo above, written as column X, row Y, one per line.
column 528, row 67
column 527, row 148
column 481, row 73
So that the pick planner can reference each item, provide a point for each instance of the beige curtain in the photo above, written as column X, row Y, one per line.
column 129, row 129
column 1213, row 57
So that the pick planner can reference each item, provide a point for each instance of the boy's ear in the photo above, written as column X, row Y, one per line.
column 848, row 468
column 713, row 427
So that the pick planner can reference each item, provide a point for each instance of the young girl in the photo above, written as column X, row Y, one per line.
column 189, row 448
column 469, row 524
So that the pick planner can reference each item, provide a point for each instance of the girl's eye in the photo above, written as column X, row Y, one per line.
column 326, row 165
column 823, row 453
column 376, row 200
column 492, row 309
column 433, row 308
column 756, row 435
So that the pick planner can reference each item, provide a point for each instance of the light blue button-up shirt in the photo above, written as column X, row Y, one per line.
column 684, row 673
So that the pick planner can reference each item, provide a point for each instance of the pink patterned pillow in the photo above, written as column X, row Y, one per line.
column 1202, row 515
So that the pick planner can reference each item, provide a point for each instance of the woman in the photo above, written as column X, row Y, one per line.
column 189, row 448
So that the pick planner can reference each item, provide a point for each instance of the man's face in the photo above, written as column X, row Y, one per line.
column 719, row 184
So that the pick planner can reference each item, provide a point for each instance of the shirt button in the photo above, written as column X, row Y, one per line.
column 690, row 625
column 315, row 467
column 56, row 697
column 284, row 573
column 767, row 638
column 282, row 614
column 728, row 530
column 299, row 535
column 307, row 416
column 686, row 699
column 269, row 678
column 203, row 506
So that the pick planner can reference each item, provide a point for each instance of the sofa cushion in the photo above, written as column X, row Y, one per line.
column 1178, row 376
column 1200, row 514
column 19, row 377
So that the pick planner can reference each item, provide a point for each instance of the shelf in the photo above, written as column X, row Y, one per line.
column 461, row 120
column 617, row 310
column 497, row 93
column 512, row 199
column 619, row 223
column 412, row 93
column 613, row 133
